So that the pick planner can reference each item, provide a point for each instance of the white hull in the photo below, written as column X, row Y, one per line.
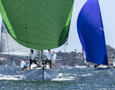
column 39, row 74
column 13, row 73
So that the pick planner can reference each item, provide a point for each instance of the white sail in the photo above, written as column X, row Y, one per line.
column 8, row 45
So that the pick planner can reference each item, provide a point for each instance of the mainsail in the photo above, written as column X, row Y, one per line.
column 37, row 24
column 91, row 34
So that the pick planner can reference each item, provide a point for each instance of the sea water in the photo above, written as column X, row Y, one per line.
column 69, row 78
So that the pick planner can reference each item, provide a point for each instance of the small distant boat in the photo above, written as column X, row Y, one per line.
column 101, row 67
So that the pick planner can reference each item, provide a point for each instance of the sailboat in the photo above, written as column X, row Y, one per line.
column 37, row 24
column 91, row 32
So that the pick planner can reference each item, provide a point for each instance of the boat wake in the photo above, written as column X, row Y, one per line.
column 9, row 77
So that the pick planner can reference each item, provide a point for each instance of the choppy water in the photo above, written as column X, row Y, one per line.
column 69, row 78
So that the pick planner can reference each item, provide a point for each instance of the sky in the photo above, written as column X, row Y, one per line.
column 107, row 8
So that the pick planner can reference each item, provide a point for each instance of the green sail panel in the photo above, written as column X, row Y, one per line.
column 37, row 24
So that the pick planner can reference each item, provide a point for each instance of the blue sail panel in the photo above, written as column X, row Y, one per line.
column 91, row 34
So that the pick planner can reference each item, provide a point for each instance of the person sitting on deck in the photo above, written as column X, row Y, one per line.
column 23, row 65
column 32, row 59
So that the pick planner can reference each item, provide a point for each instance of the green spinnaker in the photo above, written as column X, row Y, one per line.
column 37, row 24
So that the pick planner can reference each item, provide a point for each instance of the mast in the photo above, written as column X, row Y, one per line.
column 40, row 55
column 43, row 68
